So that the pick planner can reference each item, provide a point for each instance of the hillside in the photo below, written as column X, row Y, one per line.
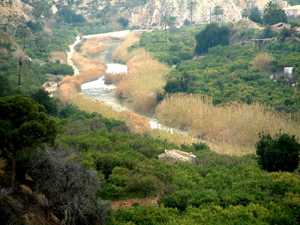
column 139, row 13
column 194, row 120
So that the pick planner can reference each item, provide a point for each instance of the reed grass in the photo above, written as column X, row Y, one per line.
column 145, row 79
column 235, row 125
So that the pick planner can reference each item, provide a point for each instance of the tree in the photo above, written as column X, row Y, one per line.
column 23, row 126
column 212, row 36
column 43, row 98
column 191, row 7
column 278, row 154
column 274, row 14
column 63, row 180
column 123, row 22
column 218, row 13
column 166, row 9
column 255, row 15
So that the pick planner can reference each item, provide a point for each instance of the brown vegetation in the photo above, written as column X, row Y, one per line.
column 145, row 78
column 136, row 122
column 262, row 61
column 90, row 70
column 121, row 54
column 60, row 57
column 92, row 47
column 235, row 126
column 115, row 205
column 114, row 78
column 2, row 167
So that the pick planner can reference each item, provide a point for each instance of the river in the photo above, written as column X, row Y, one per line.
column 106, row 92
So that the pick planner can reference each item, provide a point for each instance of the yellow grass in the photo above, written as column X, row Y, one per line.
column 92, row 47
column 236, row 126
column 262, row 61
column 121, row 54
column 136, row 122
column 87, row 104
column 90, row 70
column 145, row 78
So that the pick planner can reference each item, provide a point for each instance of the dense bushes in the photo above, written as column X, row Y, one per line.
column 69, row 16
column 70, row 188
column 170, row 47
column 227, row 74
column 58, row 69
column 278, row 154
column 211, row 36
column 274, row 14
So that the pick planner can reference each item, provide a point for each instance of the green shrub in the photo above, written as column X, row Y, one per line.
column 274, row 14
column 58, row 69
column 43, row 98
column 278, row 154
column 212, row 36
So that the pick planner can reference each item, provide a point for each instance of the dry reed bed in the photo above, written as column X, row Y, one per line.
column 137, row 123
column 236, row 125
column 121, row 54
column 89, row 70
column 145, row 78
column 92, row 47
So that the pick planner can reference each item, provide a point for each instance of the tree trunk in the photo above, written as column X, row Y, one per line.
column 13, row 172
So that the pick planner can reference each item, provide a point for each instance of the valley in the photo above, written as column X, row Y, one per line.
column 149, row 112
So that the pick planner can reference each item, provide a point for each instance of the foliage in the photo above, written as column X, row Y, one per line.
column 123, row 22
column 70, row 188
column 211, row 36
column 232, row 124
column 42, row 97
column 24, row 125
column 278, row 154
column 294, row 2
column 274, row 14
column 58, row 69
column 69, row 16
column 226, row 74
column 170, row 47
column 262, row 62
column 255, row 15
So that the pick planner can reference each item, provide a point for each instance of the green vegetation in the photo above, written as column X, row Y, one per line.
column 217, row 187
column 58, row 69
column 255, row 15
column 24, row 126
column 274, row 14
column 278, row 154
column 170, row 47
column 228, row 73
column 68, row 166
column 69, row 16
column 294, row 2
column 213, row 35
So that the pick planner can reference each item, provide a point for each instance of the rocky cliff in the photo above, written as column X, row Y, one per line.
column 140, row 13
column 197, row 11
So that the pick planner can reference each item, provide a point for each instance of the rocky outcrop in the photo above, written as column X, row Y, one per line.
column 197, row 11
column 145, row 13
column 174, row 156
